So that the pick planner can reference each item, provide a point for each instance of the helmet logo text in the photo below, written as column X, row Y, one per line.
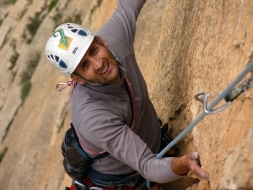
column 65, row 41
column 74, row 51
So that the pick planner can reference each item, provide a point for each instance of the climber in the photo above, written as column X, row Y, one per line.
column 111, row 110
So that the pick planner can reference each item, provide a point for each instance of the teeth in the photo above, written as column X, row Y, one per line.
column 105, row 69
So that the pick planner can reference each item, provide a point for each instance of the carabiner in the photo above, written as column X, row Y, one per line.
column 203, row 100
column 80, row 185
column 63, row 85
column 200, row 99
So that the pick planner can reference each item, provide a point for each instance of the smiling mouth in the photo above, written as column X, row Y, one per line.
column 105, row 69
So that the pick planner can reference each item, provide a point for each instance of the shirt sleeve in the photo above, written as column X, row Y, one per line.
column 122, row 24
column 107, row 131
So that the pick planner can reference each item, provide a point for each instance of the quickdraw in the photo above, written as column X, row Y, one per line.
column 231, row 96
column 203, row 98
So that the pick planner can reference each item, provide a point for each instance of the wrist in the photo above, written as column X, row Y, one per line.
column 180, row 166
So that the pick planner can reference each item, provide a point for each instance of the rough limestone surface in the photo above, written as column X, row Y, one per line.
column 183, row 48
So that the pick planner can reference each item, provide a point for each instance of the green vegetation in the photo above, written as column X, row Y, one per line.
column 51, row 5
column 74, row 19
column 2, row 153
column 7, row 130
column 59, row 127
column 92, row 11
column 25, row 89
column 25, row 8
column 30, row 68
column 15, row 56
column 7, row 37
column 8, row 2
column 29, row 2
column 58, row 18
column 13, row 1
column 99, row 2
column 27, row 75
column 22, row 13
column 1, row 20
column 13, row 60
column 13, row 43
column 33, row 26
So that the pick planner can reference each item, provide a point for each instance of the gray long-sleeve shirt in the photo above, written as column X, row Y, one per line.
column 102, row 115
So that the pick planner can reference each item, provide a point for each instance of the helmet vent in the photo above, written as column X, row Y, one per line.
column 82, row 33
column 52, row 56
column 63, row 64
column 74, row 30
column 57, row 58
column 69, row 26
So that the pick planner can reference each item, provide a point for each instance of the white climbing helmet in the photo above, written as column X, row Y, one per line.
column 67, row 46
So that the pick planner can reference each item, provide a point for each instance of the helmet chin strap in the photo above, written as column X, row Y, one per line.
column 90, row 83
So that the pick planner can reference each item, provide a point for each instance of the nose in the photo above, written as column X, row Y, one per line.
column 97, row 63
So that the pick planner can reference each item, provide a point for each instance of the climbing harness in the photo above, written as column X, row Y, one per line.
column 230, row 93
column 77, row 185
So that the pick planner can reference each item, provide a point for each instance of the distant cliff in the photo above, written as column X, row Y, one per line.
column 182, row 47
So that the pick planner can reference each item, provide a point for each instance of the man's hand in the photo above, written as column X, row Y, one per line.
column 189, row 162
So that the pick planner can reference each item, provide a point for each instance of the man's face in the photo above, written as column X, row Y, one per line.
column 98, row 65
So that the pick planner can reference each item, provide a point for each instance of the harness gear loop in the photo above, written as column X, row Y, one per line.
column 202, row 97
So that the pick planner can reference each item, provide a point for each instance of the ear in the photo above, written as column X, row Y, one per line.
column 77, row 79
column 101, row 41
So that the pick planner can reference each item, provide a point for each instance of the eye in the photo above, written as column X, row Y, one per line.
column 84, row 65
column 94, row 50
